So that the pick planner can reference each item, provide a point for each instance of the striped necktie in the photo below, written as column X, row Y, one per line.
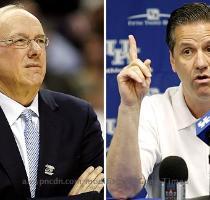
column 31, row 133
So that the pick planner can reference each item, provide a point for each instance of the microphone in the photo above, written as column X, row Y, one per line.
column 203, row 128
column 173, row 173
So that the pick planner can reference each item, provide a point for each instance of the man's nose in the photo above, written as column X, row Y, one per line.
column 34, row 49
column 201, row 61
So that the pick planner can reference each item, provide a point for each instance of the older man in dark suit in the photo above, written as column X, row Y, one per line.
column 47, row 139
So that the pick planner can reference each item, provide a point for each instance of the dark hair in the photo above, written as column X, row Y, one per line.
column 187, row 14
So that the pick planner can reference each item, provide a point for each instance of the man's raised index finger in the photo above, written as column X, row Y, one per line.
column 133, row 48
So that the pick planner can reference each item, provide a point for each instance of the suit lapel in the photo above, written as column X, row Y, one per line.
column 50, row 129
column 10, row 158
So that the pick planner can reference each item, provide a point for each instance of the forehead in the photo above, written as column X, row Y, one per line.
column 194, row 32
column 19, row 21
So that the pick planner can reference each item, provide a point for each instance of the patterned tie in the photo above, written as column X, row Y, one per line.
column 31, row 133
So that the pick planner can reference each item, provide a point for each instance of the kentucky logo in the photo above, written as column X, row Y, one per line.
column 49, row 169
column 119, row 51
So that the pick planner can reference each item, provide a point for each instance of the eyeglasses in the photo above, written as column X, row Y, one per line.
column 22, row 42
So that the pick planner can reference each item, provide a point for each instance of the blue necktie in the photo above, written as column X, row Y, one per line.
column 31, row 133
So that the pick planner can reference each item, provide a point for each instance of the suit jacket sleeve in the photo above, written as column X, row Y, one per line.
column 86, row 137
column 91, row 155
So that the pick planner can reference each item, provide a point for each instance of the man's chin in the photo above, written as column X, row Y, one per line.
column 204, row 94
column 33, row 84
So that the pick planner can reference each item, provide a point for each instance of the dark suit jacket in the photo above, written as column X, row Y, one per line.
column 70, row 140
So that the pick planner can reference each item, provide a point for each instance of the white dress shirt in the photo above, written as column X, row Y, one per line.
column 167, row 128
column 12, row 111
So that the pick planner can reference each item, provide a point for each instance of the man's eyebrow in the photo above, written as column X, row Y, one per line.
column 19, row 34
column 184, row 44
column 40, row 35
column 208, row 42
column 26, row 36
column 190, row 44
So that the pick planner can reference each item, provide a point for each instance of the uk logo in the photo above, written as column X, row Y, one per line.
column 118, row 50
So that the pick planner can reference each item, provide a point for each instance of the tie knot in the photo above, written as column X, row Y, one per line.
column 27, row 114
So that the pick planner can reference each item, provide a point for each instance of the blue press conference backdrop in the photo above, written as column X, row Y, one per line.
column 146, row 20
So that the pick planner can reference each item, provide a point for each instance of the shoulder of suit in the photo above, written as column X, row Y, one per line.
column 62, row 99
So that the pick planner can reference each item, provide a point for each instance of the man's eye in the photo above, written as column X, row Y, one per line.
column 40, row 40
column 208, row 49
column 187, row 52
column 19, row 41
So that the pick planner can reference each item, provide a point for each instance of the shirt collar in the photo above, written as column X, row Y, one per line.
column 183, row 116
column 13, row 109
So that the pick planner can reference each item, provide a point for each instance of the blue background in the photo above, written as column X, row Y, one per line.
column 150, row 40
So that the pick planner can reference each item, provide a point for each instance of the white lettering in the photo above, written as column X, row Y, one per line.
column 119, row 54
column 204, row 122
column 110, row 125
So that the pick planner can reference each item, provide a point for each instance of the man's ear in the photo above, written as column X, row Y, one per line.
column 172, row 61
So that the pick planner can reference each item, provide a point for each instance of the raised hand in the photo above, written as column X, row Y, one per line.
column 134, row 80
